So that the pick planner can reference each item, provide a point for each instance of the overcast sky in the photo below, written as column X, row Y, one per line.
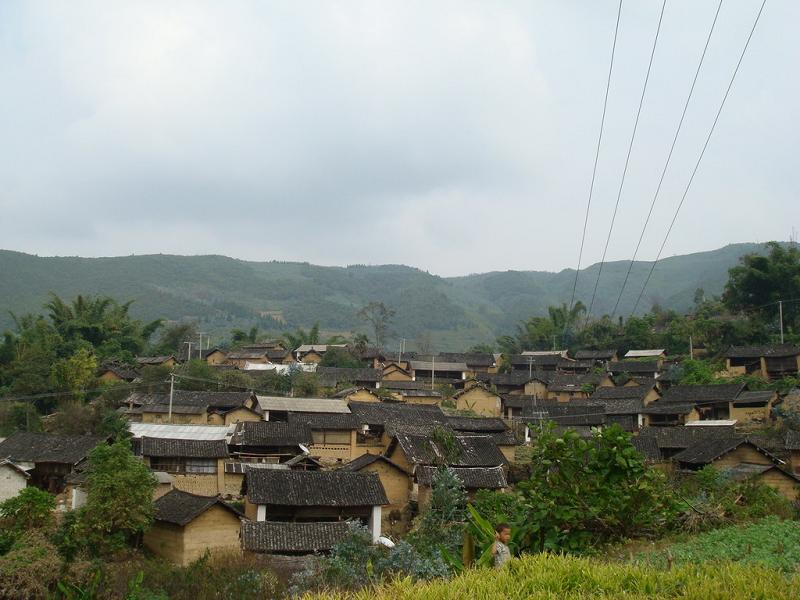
column 456, row 137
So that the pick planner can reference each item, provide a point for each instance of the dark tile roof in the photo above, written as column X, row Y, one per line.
column 633, row 366
column 325, row 421
column 121, row 371
column 516, row 378
column 330, row 376
column 595, row 354
column 476, row 424
column 681, row 437
column 352, row 390
column 754, row 398
column 247, row 355
column 776, row 351
column 48, row 447
column 180, row 508
column 395, row 416
column 314, row 488
column 473, row 451
column 566, row 382
column 417, row 393
column 541, row 360
column 178, row 448
column 154, row 360
column 519, row 400
column 703, row 394
column 584, row 413
column 707, row 451
column 274, row 537
column 405, row 385
column 668, row 408
column 367, row 459
column 178, row 409
column 473, row 478
column 648, row 446
column 271, row 433
column 621, row 400
column 190, row 398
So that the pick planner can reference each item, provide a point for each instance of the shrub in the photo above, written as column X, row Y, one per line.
column 32, row 508
column 30, row 568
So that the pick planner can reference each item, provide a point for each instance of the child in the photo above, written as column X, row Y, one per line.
column 500, row 549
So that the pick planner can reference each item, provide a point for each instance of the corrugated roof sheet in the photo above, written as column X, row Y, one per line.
column 281, row 403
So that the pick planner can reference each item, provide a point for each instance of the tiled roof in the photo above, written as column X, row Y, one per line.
column 668, row 408
column 330, row 376
column 190, row 398
column 648, row 446
column 709, row 450
column 793, row 440
column 471, row 359
column 683, row 437
column 325, row 421
column 121, row 371
column 165, row 447
column 405, row 385
column 633, row 366
column 621, row 400
column 352, row 390
column 422, row 365
column 473, row 478
column 776, row 351
column 367, row 459
column 595, row 354
column 585, row 413
column 644, row 353
column 274, row 537
column 154, row 360
column 516, row 378
column 396, row 416
column 565, row 382
column 472, row 451
column 754, row 398
column 247, row 355
column 48, row 447
column 271, row 433
column 523, row 360
column 475, row 424
column 703, row 394
column 282, row 403
column 314, row 488
column 180, row 508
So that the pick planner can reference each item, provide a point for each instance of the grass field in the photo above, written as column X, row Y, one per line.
column 572, row 578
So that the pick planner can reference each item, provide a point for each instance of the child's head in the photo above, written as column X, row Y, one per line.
column 503, row 532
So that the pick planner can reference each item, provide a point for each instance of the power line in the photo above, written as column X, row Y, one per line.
column 669, row 158
column 596, row 156
column 627, row 158
column 700, row 158
column 60, row 394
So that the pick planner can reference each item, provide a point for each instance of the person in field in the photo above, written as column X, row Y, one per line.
column 500, row 548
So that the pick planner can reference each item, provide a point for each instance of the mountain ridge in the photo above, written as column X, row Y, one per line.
column 451, row 312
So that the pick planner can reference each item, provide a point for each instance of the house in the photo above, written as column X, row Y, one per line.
column 242, row 358
column 480, row 400
column 396, row 372
column 411, row 450
column 578, row 367
column 306, row 496
column 378, row 423
column 196, row 466
column 360, row 377
column 438, row 371
column 396, row 481
column 335, row 437
column 599, row 357
column 413, row 392
column 313, row 353
column 581, row 416
column 193, row 407
column 13, row 479
column 477, row 362
column 169, row 361
column 291, row 539
column 495, row 428
column 792, row 443
column 269, row 441
column 770, row 362
column 278, row 408
column 743, row 459
column 48, row 458
column 753, row 408
column 358, row 394
column 565, row 387
column 624, row 405
column 215, row 356
column 672, row 440
column 709, row 401
column 635, row 368
column 535, row 361
column 186, row 526
column 472, row 478
column 116, row 373
column 531, row 383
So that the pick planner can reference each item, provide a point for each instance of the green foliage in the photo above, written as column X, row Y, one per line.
column 31, row 509
column 305, row 384
column 439, row 530
column 18, row 416
column 30, row 568
column 760, row 281
column 119, row 505
column 379, row 317
column 699, row 372
column 583, row 492
column 575, row 578
column 341, row 357
column 173, row 337
column 770, row 542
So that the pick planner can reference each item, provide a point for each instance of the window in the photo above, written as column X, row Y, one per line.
column 201, row 465
column 184, row 465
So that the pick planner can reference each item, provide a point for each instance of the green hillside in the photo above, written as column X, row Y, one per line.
column 222, row 293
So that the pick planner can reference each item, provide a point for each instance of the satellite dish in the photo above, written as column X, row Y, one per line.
column 304, row 449
column 385, row 541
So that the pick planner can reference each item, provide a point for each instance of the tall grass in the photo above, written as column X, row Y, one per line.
column 568, row 577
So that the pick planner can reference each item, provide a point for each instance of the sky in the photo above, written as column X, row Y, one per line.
column 456, row 137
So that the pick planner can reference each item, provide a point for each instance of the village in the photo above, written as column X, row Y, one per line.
column 281, row 477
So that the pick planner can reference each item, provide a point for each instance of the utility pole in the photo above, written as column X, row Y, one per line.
column 189, row 354
column 200, row 350
column 780, row 312
column 171, row 392
column 433, row 370
column 530, row 367
column 691, row 349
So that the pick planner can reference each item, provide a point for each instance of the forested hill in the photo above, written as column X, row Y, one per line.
column 455, row 312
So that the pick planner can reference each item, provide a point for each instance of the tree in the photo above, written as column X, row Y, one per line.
column 756, row 285
column 379, row 317
column 340, row 357
column 74, row 375
column 119, row 504
column 32, row 508
column 173, row 338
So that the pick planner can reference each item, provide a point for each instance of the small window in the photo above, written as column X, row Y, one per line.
column 201, row 465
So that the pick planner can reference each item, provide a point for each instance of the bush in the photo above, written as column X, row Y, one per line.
column 32, row 508
column 30, row 568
